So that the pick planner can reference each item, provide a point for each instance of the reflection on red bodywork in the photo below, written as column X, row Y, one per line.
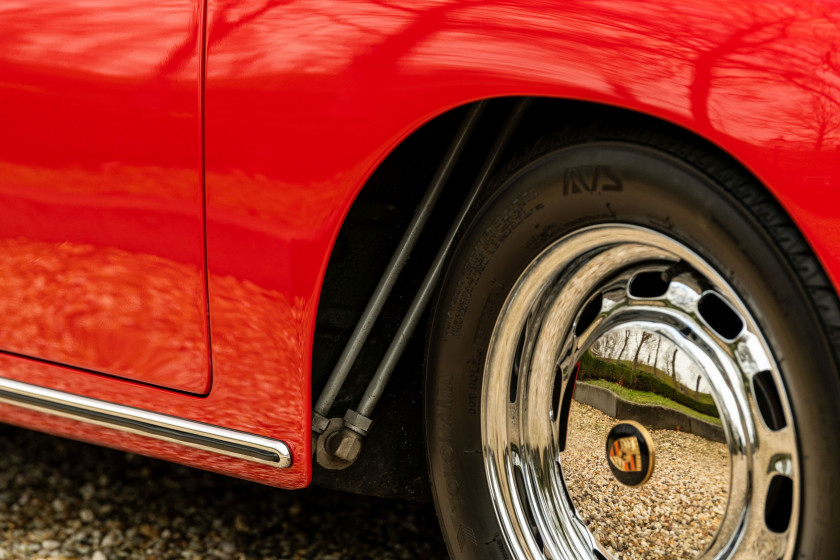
column 262, row 333
column 124, row 312
column 154, row 448
column 305, row 97
column 100, row 157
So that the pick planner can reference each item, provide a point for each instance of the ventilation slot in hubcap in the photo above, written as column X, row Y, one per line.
column 779, row 504
column 648, row 284
column 719, row 316
column 769, row 403
column 523, row 499
column 563, row 421
column 517, row 362
column 588, row 315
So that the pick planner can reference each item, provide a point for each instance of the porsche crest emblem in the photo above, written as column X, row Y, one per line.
column 625, row 455
column 630, row 453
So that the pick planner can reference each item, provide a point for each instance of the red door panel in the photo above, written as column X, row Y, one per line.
column 101, row 235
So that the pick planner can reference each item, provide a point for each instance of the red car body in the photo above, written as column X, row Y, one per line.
column 174, row 175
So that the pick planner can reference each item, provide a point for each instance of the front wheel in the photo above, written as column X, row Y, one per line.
column 627, row 361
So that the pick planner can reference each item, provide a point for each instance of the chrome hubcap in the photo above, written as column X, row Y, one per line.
column 621, row 323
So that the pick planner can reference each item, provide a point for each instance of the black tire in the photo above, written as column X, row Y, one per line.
column 661, row 180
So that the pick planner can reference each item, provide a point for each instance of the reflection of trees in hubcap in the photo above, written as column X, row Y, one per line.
column 653, row 354
column 646, row 369
column 618, row 323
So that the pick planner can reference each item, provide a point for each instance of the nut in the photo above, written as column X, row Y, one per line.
column 345, row 445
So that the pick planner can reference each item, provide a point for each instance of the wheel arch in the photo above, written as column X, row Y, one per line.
column 362, row 256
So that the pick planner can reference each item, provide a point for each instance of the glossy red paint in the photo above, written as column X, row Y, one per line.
column 304, row 98
column 101, row 234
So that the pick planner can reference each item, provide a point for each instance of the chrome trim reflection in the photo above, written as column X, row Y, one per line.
column 198, row 435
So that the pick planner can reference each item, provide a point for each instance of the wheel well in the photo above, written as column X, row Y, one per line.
column 393, row 460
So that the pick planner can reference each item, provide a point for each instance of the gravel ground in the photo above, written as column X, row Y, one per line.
column 674, row 515
column 68, row 500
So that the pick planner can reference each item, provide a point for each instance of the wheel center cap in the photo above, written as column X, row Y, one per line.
column 630, row 453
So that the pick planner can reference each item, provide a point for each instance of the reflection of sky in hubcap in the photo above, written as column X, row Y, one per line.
column 650, row 352
column 632, row 376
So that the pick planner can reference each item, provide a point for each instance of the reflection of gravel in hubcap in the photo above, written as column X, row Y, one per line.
column 551, row 500
column 677, row 512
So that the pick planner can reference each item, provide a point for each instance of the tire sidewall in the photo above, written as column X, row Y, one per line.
column 598, row 183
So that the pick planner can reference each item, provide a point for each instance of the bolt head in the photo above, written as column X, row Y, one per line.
column 345, row 445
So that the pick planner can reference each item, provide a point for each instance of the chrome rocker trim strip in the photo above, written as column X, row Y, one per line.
column 232, row 443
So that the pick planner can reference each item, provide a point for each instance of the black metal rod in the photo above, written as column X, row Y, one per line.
column 395, row 266
column 383, row 373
